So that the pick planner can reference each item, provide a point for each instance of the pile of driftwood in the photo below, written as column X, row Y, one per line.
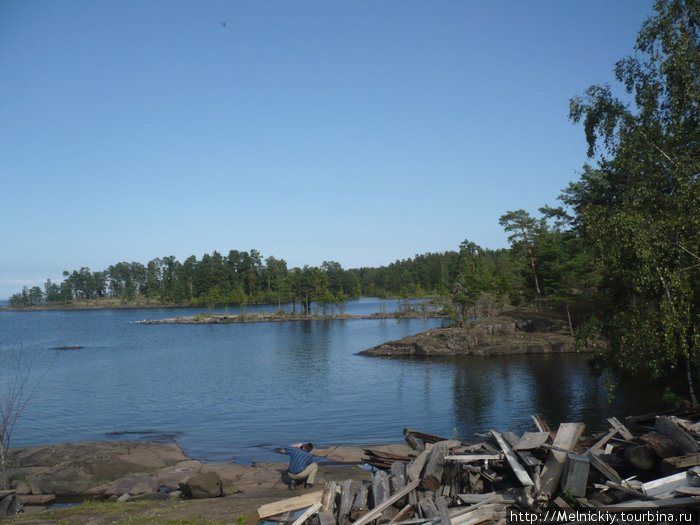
column 648, row 463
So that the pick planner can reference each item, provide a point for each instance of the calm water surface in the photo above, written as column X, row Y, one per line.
column 236, row 391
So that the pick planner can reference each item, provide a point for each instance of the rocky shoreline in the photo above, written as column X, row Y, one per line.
column 516, row 331
column 160, row 472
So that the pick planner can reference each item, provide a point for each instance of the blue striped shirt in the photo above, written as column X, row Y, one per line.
column 298, row 459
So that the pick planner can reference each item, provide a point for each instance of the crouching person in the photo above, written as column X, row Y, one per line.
column 301, row 465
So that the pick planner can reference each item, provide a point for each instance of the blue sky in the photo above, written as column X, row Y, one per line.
column 356, row 131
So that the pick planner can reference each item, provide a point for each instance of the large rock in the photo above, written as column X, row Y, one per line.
column 80, row 468
column 202, row 486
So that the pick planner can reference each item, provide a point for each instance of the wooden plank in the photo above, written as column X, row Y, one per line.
column 525, row 455
column 680, row 462
column 377, row 511
column 490, row 513
column 328, row 497
column 426, row 505
column 325, row 517
column 520, row 472
column 568, row 435
column 416, row 466
column 473, row 458
column 398, row 477
column 531, row 440
column 605, row 469
column 656, row 504
column 405, row 513
column 622, row 429
column 289, row 504
column 690, row 491
column 625, row 489
column 493, row 497
column 345, row 501
column 598, row 446
column 442, row 510
column 313, row 509
column 668, row 427
column 541, row 424
column 667, row 484
column 380, row 489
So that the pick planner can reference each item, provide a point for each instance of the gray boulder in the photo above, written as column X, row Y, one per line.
column 202, row 486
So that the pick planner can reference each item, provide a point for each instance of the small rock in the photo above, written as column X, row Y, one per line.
column 124, row 497
column 21, row 488
column 175, row 494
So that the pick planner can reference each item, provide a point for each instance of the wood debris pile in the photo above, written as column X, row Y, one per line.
column 649, row 462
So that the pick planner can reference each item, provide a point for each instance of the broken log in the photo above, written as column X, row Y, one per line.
column 640, row 457
column 663, row 446
column 434, row 464
column 473, row 458
column 359, row 505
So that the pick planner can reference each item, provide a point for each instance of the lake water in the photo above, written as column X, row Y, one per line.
column 236, row 391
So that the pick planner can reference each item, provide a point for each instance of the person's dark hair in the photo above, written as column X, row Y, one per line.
column 308, row 447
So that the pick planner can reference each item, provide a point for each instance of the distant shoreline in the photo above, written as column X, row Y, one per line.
column 280, row 318
column 118, row 304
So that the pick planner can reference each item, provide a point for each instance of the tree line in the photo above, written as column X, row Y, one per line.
column 241, row 278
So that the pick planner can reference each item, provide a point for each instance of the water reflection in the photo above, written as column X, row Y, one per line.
column 503, row 392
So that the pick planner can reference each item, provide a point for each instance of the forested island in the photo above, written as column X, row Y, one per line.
column 619, row 255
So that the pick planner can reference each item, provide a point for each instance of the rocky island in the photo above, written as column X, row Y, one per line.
column 515, row 331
